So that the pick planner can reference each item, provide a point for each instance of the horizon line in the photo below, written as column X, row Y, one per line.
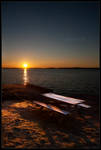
column 52, row 68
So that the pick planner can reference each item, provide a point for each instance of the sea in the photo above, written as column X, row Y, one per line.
column 62, row 81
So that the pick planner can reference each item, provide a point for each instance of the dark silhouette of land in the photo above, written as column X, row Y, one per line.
column 52, row 68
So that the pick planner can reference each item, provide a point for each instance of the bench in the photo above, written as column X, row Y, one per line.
column 68, row 100
column 73, row 102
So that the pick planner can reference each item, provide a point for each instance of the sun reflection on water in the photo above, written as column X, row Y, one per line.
column 25, row 77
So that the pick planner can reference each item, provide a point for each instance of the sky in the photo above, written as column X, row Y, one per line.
column 50, row 34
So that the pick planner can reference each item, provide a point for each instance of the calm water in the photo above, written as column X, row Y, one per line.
column 62, row 81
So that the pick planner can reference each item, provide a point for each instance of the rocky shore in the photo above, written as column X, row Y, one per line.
column 25, row 125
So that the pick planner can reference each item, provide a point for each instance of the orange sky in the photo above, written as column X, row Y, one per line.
column 48, row 63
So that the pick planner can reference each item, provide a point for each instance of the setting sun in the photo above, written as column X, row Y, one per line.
column 25, row 65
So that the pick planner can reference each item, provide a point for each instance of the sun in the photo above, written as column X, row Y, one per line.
column 25, row 65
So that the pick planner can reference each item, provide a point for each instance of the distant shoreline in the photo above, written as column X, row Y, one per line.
column 53, row 68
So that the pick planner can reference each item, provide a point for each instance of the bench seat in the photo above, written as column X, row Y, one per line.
column 54, row 108
column 84, row 105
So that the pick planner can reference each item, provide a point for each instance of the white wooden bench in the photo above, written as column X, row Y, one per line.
column 67, row 100
column 75, row 103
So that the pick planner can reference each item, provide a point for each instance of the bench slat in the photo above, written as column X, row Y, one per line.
column 52, row 108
